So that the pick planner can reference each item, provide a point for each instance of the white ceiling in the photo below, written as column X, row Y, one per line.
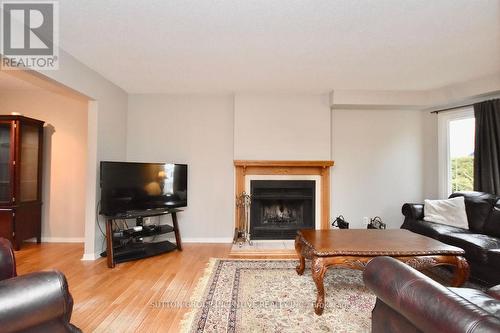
column 283, row 45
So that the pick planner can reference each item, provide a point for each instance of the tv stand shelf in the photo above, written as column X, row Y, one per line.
column 127, row 245
column 128, row 253
column 159, row 230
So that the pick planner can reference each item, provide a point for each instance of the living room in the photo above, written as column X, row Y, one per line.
column 356, row 99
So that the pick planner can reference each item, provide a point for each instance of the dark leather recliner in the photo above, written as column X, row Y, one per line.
column 35, row 302
column 408, row 301
column 481, row 242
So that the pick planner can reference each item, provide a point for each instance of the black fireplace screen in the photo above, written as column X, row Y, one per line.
column 281, row 212
column 281, row 207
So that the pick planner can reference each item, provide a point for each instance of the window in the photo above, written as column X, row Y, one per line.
column 456, row 151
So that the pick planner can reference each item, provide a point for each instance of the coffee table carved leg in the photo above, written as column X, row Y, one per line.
column 460, row 265
column 318, row 274
column 461, row 272
column 302, row 261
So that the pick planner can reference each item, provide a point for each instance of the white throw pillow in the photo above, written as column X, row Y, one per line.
column 448, row 211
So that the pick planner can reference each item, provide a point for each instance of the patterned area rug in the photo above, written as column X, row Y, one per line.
column 269, row 296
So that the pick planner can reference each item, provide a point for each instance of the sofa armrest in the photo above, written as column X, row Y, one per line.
column 428, row 305
column 494, row 292
column 413, row 211
column 40, row 299
column 7, row 260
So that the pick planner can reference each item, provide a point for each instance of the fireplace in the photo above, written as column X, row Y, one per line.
column 281, row 207
column 284, row 217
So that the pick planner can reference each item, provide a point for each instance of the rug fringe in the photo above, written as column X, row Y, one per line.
column 197, row 295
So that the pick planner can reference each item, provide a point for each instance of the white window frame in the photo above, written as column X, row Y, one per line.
column 444, row 163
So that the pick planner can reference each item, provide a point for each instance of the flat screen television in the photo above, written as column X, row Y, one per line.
column 130, row 187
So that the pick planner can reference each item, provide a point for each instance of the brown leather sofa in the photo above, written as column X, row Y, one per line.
column 36, row 302
column 481, row 242
column 408, row 301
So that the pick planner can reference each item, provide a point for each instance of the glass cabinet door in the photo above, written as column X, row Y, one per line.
column 28, row 171
column 5, row 162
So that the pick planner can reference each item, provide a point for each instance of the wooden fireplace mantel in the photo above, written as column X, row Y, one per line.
column 262, row 167
column 255, row 163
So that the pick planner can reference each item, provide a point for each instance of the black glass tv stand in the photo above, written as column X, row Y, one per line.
column 128, row 244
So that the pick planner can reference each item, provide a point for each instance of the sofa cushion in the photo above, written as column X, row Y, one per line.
column 478, row 206
column 476, row 246
column 479, row 298
column 448, row 211
column 492, row 224
column 434, row 230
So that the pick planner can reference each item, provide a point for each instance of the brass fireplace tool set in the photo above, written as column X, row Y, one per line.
column 242, row 231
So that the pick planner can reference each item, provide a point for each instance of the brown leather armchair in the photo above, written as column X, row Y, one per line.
column 408, row 301
column 35, row 302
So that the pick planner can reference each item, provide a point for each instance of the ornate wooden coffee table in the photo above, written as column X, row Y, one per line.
column 354, row 248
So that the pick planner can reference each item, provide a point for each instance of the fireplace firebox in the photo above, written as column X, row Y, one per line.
column 281, row 207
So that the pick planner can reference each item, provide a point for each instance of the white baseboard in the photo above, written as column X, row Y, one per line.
column 207, row 240
column 90, row 256
column 58, row 240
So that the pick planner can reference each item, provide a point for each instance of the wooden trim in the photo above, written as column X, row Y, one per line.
column 260, row 167
column 16, row 147
column 247, row 163
column 35, row 122
column 11, row 167
column 325, row 198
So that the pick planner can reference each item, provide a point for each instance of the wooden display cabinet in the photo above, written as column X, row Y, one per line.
column 21, row 143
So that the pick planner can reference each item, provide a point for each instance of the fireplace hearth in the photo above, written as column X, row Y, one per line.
column 281, row 207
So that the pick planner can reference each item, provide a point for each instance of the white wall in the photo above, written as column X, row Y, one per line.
column 111, row 103
column 430, row 156
column 378, row 164
column 65, row 158
column 282, row 127
column 461, row 93
column 379, row 154
column 107, row 118
column 107, row 134
column 198, row 131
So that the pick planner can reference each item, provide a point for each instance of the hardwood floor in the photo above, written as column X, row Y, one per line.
column 120, row 299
